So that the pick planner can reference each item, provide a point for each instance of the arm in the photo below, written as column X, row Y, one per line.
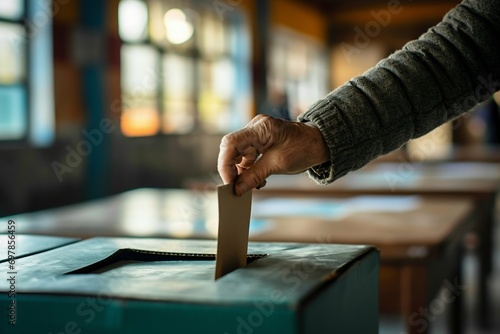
column 443, row 74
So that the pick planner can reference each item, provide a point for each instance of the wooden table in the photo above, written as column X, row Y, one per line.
column 420, row 237
column 139, row 213
column 446, row 179
column 474, row 153
column 420, row 241
column 479, row 181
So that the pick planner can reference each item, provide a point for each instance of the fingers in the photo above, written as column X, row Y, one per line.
column 238, row 151
column 255, row 177
column 226, row 162
column 248, row 157
column 265, row 146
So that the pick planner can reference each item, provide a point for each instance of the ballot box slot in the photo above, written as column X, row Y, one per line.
column 125, row 256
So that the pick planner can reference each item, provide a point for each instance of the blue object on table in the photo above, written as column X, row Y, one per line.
column 133, row 285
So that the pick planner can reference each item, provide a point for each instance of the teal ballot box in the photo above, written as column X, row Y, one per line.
column 132, row 285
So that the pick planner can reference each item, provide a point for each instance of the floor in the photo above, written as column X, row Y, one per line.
column 389, row 325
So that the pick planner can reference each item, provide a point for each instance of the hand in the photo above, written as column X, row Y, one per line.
column 269, row 146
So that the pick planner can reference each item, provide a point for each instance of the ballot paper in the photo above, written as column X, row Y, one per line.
column 234, row 223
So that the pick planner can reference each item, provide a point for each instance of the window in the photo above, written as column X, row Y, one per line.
column 297, row 76
column 26, row 93
column 13, row 82
column 184, row 68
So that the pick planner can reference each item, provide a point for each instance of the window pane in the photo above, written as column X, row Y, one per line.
column 178, row 116
column 11, row 9
column 132, row 20
column 170, row 26
column 178, row 94
column 12, row 53
column 13, row 116
column 212, row 39
column 140, row 122
column 139, row 81
column 179, row 75
column 216, row 90
column 178, row 27
column 297, row 70
column 223, row 82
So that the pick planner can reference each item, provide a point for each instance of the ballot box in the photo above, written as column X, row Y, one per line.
column 135, row 285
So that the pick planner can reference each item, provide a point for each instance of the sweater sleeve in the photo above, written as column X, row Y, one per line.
column 432, row 80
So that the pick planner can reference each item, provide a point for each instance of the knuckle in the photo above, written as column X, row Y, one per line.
column 264, row 120
column 226, row 140
column 260, row 117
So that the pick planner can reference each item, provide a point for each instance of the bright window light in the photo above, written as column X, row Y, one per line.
column 177, row 28
column 173, row 82
column 41, row 92
column 11, row 9
column 12, row 53
column 133, row 19
column 12, row 113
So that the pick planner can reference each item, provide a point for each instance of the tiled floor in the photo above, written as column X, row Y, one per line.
column 395, row 326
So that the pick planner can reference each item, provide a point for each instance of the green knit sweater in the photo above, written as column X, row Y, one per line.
column 434, row 79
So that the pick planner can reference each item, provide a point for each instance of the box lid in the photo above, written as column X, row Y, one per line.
column 297, row 270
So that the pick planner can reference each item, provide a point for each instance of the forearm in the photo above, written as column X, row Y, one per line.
column 430, row 81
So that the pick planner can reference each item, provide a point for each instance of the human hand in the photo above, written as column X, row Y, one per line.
column 269, row 146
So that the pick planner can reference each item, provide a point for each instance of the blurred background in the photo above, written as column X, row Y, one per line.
column 98, row 97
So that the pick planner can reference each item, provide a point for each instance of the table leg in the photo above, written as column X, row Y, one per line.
column 454, row 296
column 485, row 260
column 414, row 299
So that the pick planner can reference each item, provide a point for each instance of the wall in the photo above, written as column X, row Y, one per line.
column 363, row 34
column 301, row 17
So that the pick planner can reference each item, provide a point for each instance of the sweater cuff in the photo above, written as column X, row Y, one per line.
column 327, row 118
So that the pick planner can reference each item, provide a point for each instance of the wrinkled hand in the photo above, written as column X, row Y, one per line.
column 269, row 146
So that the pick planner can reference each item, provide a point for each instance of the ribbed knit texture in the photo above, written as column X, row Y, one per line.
column 434, row 79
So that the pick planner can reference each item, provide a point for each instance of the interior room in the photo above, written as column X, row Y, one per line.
column 112, row 115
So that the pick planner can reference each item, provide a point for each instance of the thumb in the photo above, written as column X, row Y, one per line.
column 253, row 176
